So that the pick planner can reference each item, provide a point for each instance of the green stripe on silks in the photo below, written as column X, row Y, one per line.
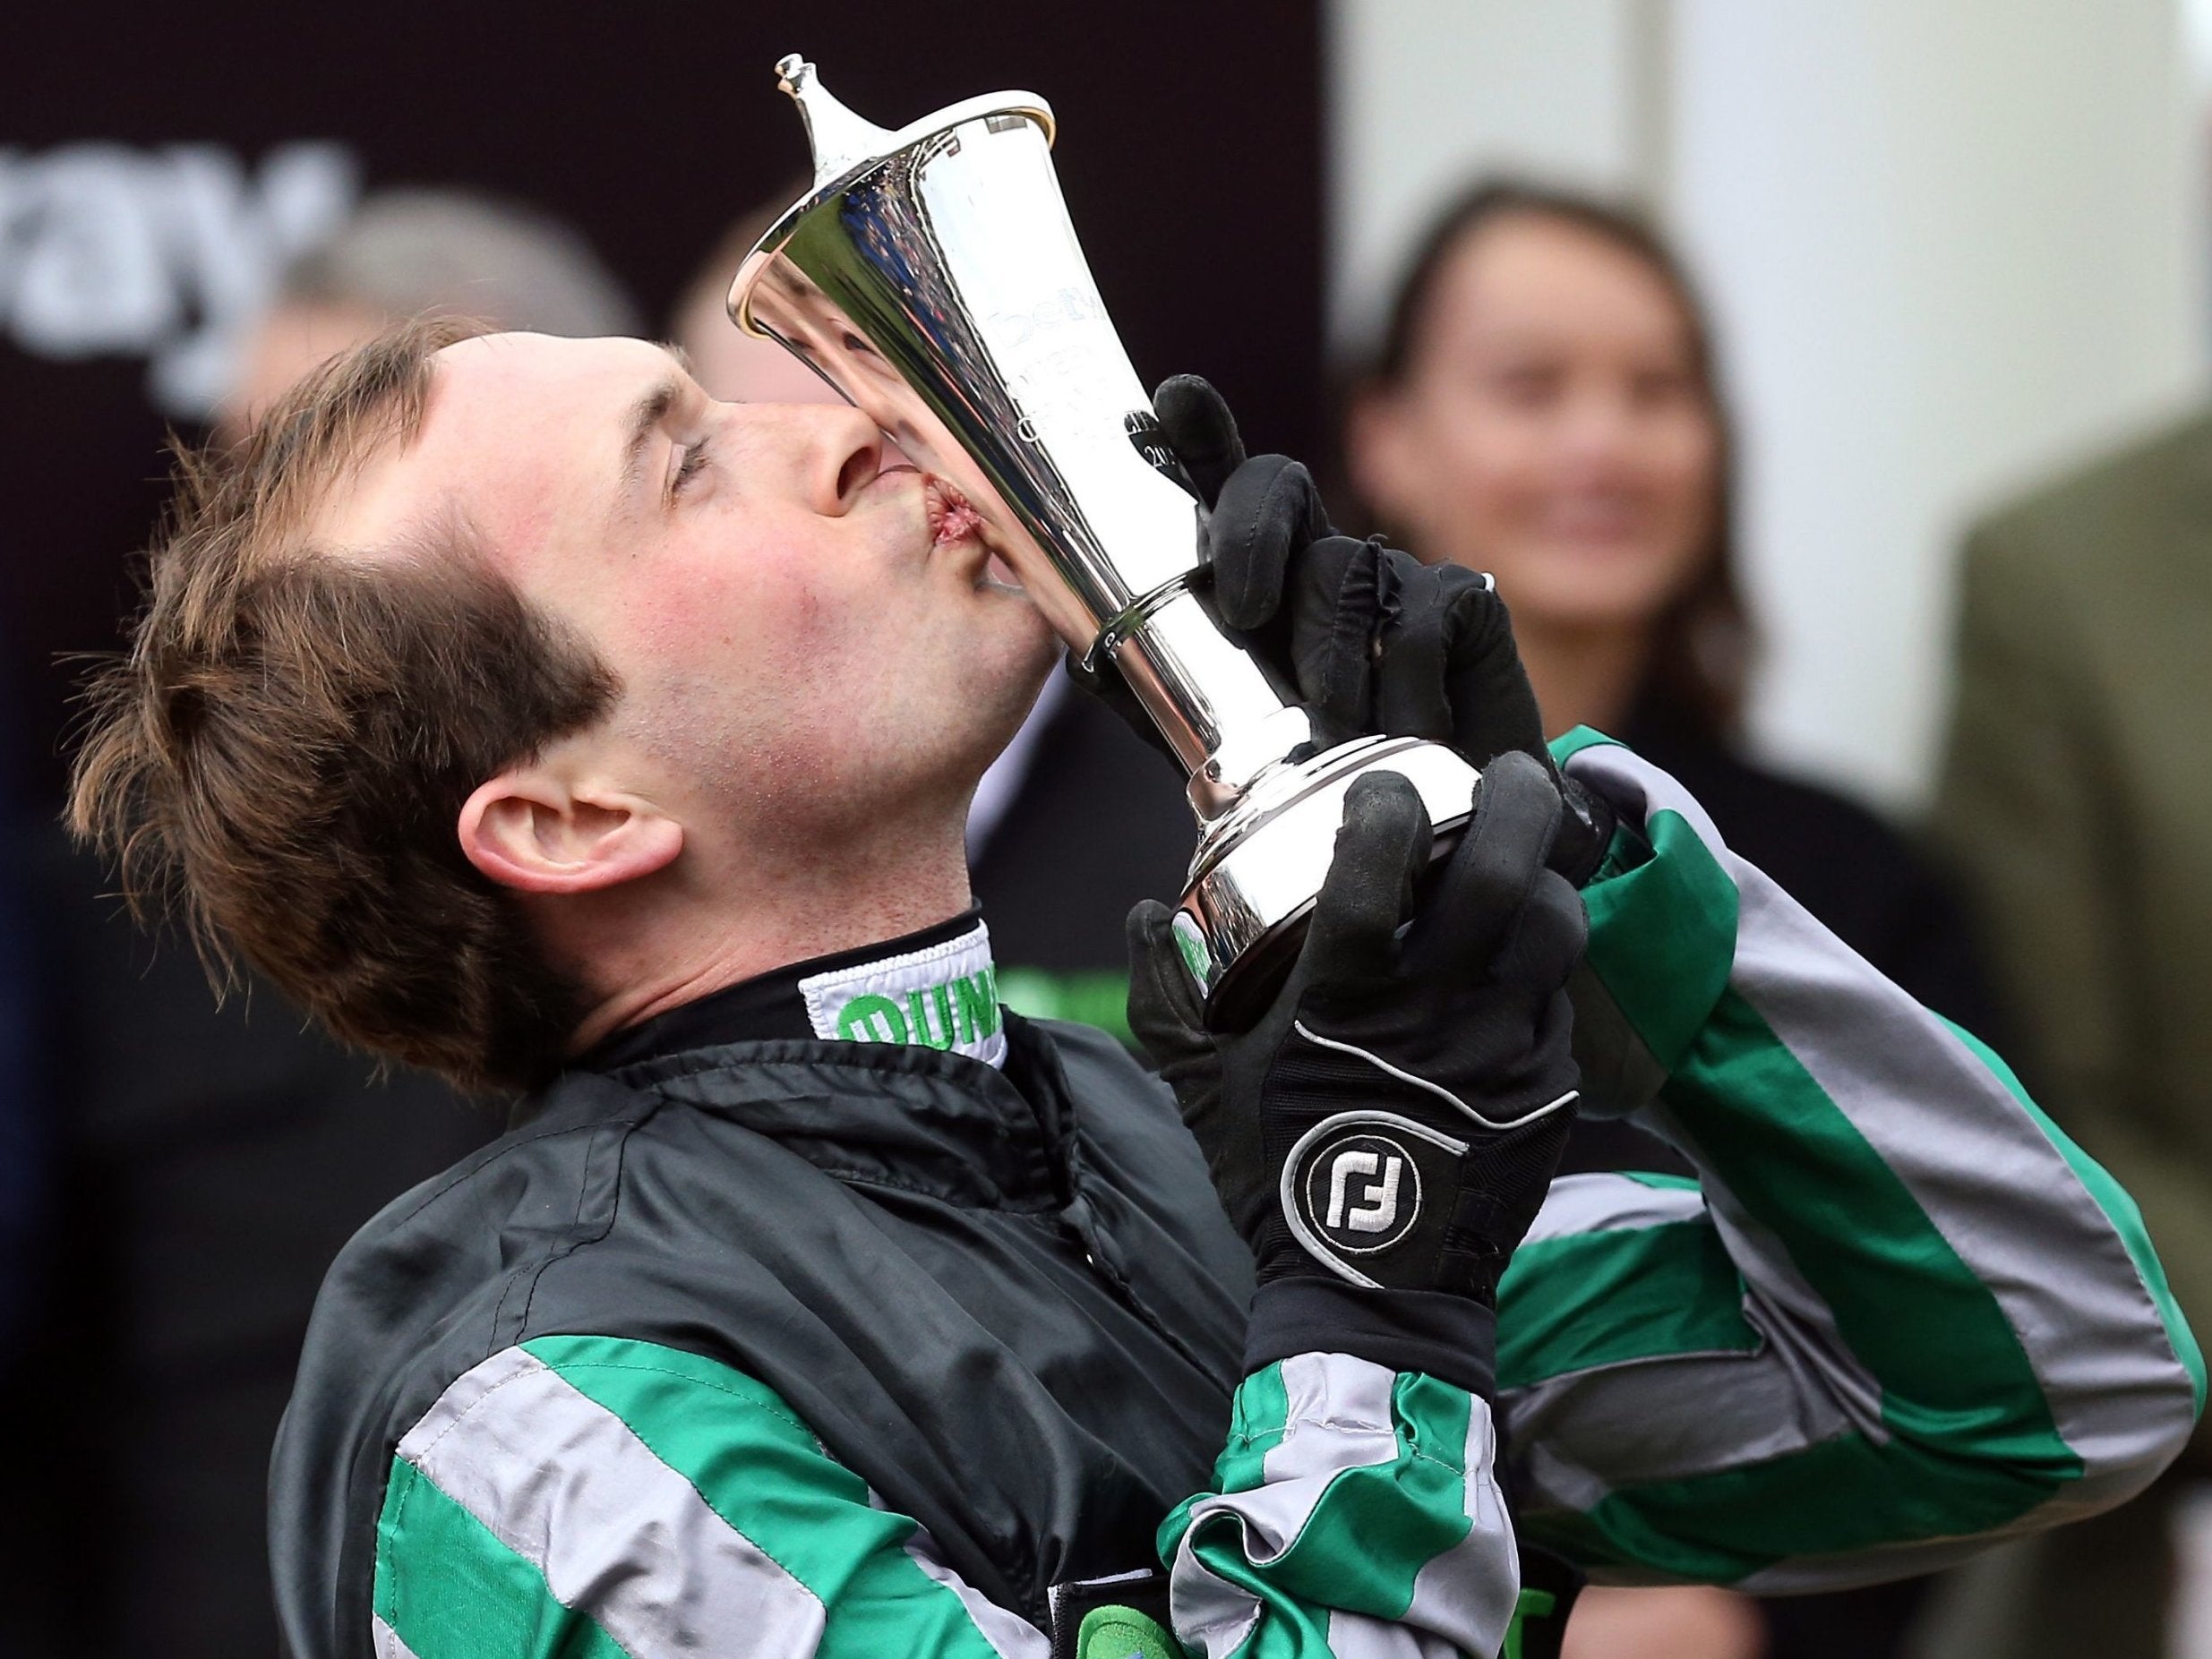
column 1371, row 1530
column 1662, row 934
column 1953, row 1371
column 1659, row 1182
column 1662, row 937
column 1972, row 1444
column 1640, row 1293
column 1839, row 1495
column 451, row 1590
column 1257, row 1417
column 2119, row 1208
column 1972, row 1440
column 759, row 1468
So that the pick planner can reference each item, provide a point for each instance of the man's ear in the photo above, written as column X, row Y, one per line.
column 539, row 830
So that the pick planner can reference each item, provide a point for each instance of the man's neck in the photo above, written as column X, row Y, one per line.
column 682, row 942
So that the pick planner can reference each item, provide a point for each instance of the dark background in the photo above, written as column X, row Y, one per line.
column 207, row 1166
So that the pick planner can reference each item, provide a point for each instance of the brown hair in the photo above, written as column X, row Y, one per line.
column 1702, row 642
column 288, row 739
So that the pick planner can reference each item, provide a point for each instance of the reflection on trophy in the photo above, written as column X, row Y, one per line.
column 932, row 277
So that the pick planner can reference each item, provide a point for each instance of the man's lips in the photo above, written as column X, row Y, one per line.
column 954, row 521
column 952, row 516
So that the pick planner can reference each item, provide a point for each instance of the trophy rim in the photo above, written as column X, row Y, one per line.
column 1011, row 103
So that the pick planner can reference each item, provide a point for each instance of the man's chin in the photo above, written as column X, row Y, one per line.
column 1027, row 683
column 1005, row 699
column 1033, row 657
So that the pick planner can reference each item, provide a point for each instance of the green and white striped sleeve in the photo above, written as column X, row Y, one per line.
column 592, row 1498
column 1357, row 1515
column 1898, row 1312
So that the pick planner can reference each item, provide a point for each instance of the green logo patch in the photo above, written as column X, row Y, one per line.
column 1533, row 1605
column 1122, row 1633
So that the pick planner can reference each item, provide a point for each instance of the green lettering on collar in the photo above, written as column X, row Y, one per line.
column 871, row 1019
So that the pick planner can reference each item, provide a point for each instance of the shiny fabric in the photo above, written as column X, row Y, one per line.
column 1020, row 1325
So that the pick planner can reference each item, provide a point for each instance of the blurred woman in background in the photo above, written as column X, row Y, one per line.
column 1545, row 406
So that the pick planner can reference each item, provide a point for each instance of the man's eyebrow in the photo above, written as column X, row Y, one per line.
column 647, row 413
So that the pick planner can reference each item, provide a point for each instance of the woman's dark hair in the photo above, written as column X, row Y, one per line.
column 1701, row 643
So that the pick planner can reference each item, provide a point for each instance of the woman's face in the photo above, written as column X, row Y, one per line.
column 1552, row 429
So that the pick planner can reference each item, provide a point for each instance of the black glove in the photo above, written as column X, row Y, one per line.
column 1376, row 642
column 1384, row 1135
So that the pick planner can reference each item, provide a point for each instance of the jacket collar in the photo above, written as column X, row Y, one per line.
column 895, row 1115
column 893, row 1065
column 938, row 987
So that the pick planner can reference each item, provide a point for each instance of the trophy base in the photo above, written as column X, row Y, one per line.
column 1259, row 866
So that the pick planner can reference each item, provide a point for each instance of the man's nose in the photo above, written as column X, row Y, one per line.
column 836, row 450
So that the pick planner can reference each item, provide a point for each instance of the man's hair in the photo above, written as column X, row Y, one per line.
column 287, row 741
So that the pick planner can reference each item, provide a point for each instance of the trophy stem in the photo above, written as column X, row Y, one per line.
column 1259, row 866
column 1224, row 718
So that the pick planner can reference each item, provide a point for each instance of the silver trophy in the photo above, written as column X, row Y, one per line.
column 932, row 277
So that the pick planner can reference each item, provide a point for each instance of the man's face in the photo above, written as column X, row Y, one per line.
column 806, row 637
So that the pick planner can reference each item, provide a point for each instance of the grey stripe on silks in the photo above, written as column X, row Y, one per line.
column 2118, row 1394
column 1338, row 1417
column 1788, row 1314
column 1469, row 1589
column 387, row 1643
column 1608, row 1203
column 2060, row 1271
column 1668, row 1419
column 1652, row 1418
column 1009, row 1635
column 1333, row 1406
column 1357, row 1636
column 1210, row 1610
column 566, row 1484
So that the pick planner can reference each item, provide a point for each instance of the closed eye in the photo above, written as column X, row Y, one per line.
column 694, row 461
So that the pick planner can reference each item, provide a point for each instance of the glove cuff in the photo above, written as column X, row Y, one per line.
column 1585, row 835
column 1446, row 1335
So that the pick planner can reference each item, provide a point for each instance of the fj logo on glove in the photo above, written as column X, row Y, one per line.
column 1362, row 1192
column 1375, row 1216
